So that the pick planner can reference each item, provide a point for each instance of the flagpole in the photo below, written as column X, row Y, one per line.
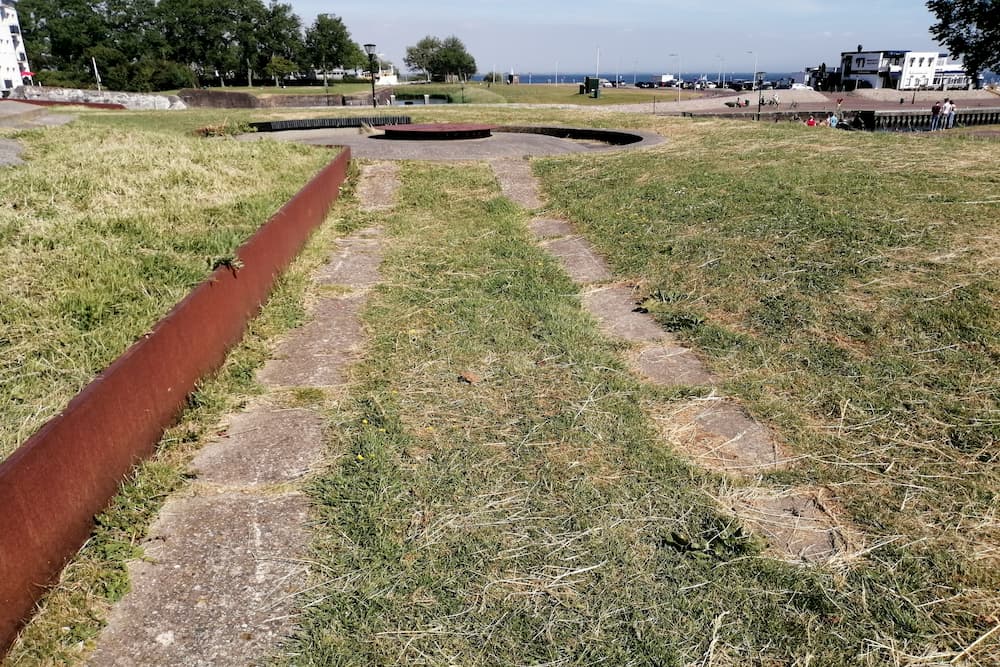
column 97, row 74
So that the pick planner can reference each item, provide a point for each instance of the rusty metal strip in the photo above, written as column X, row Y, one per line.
column 63, row 475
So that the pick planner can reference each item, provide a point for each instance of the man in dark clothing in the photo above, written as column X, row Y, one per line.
column 936, row 116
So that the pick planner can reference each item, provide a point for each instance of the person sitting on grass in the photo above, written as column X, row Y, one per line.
column 832, row 120
column 812, row 121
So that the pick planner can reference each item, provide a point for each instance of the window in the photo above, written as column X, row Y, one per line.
column 912, row 61
column 859, row 62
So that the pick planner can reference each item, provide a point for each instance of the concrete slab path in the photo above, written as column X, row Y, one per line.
column 716, row 434
column 226, row 558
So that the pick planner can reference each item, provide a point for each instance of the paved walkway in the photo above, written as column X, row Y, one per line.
column 21, row 116
column 804, row 101
column 226, row 556
column 500, row 145
column 799, row 524
column 225, row 560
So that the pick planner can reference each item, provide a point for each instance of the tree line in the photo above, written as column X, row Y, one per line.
column 144, row 45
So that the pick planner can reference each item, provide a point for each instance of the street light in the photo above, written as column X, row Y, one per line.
column 370, row 50
column 680, row 82
column 760, row 93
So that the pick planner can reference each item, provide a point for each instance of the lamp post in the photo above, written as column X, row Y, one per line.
column 680, row 82
column 370, row 50
column 760, row 96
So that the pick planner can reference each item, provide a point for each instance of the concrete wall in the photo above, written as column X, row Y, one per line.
column 224, row 99
column 929, row 96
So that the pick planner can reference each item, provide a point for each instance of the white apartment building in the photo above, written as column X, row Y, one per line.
column 13, row 59
column 902, row 70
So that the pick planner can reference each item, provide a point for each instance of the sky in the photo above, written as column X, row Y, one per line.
column 623, row 36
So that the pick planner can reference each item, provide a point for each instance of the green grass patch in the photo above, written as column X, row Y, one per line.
column 501, row 498
column 498, row 495
column 104, row 230
column 845, row 287
column 71, row 616
column 479, row 92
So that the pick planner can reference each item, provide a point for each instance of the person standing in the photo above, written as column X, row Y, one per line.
column 945, row 108
column 935, row 115
column 951, row 115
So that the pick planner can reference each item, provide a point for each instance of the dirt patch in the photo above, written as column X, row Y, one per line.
column 719, row 435
column 549, row 228
column 517, row 182
column 670, row 365
column 579, row 259
column 262, row 446
column 615, row 310
column 799, row 524
column 217, row 585
column 378, row 186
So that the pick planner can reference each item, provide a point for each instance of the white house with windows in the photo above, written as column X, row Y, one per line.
column 932, row 70
column 902, row 70
column 14, row 69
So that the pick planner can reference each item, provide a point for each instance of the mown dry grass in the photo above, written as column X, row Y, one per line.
column 102, row 232
column 845, row 287
column 481, row 93
column 532, row 516
column 111, row 227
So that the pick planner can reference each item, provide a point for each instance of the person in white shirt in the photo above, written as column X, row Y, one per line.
column 945, row 111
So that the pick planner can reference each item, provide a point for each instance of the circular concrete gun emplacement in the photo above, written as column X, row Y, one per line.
column 451, row 141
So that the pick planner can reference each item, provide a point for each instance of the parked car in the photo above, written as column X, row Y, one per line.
column 645, row 84
column 801, row 86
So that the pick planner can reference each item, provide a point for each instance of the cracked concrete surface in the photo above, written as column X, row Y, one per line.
column 226, row 557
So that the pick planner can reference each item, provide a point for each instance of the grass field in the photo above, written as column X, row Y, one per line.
column 843, row 286
column 478, row 92
column 481, row 93
column 84, row 225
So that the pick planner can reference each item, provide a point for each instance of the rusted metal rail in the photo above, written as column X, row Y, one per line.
column 59, row 479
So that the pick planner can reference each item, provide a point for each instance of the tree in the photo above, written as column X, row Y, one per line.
column 132, row 28
column 419, row 57
column 57, row 34
column 280, row 33
column 124, row 37
column 329, row 44
column 453, row 60
column 440, row 59
column 279, row 68
column 970, row 29
column 210, row 35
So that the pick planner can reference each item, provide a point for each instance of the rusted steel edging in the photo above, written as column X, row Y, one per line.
column 54, row 484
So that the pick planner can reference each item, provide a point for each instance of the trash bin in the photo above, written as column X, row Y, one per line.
column 597, row 92
column 583, row 89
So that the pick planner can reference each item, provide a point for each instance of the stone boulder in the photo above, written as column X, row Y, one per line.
column 133, row 101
